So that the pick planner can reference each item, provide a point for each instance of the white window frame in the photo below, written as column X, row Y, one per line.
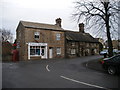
column 73, row 51
column 88, row 50
column 95, row 50
column 37, row 34
column 58, row 35
column 58, row 50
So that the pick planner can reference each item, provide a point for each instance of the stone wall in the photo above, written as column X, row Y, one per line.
column 46, row 36
column 81, row 49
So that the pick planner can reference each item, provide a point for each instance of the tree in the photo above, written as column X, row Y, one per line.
column 101, row 14
column 6, row 35
column 119, row 28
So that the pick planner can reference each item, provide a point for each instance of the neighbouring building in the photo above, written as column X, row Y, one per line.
column 45, row 41
column 115, row 44
column 101, row 44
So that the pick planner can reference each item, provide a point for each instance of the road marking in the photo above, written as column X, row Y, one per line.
column 84, row 83
column 47, row 68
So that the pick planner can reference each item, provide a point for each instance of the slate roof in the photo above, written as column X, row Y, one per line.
column 81, row 37
column 40, row 25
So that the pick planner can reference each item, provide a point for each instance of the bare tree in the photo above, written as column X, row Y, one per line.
column 6, row 35
column 101, row 15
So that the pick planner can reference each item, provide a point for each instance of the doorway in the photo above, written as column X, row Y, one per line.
column 50, row 52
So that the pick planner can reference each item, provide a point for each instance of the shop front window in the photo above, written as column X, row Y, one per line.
column 34, row 50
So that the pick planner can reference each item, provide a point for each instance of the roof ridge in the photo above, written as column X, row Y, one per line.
column 40, row 25
column 35, row 22
column 83, row 37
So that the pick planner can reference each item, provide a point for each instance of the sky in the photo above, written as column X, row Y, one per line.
column 42, row 11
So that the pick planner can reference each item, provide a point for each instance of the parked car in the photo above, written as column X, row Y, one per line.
column 112, row 64
column 104, row 52
column 115, row 51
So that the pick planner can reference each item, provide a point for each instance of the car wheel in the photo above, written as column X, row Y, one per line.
column 111, row 70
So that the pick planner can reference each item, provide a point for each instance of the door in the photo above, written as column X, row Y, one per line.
column 43, row 53
column 50, row 53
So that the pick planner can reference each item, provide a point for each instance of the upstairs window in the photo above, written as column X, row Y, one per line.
column 36, row 35
column 58, row 36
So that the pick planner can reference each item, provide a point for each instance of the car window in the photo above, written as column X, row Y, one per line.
column 116, row 59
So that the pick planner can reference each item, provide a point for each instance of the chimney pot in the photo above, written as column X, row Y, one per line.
column 58, row 21
column 81, row 27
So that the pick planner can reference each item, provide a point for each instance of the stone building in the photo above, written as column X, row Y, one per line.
column 115, row 44
column 45, row 41
column 80, row 43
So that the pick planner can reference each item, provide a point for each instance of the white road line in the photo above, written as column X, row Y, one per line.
column 83, row 83
column 47, row 68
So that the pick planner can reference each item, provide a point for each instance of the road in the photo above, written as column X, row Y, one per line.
column 56, row 73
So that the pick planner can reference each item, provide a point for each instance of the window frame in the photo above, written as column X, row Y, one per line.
column 58, row 36
column 73, row 51
column 36, row 34
column 58, row 51
column 35, row 51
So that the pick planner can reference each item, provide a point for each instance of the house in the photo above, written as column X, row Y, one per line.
column 45, row 41
column 80, row 43
column 101, row 44
column 115, row 44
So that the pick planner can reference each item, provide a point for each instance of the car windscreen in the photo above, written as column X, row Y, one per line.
column 116, row 58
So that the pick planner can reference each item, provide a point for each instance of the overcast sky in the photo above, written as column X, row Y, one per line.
column 42, row 11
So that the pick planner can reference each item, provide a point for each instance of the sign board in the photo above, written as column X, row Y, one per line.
column 37, row 44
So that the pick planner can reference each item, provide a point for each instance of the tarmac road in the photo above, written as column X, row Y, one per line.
column 56, row 73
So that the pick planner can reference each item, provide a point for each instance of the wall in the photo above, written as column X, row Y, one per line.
column 20, row 38
column 81, row 49
column 46, row 36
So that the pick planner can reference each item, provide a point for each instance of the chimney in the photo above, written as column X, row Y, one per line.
column 81, row 27
column 58, row 22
